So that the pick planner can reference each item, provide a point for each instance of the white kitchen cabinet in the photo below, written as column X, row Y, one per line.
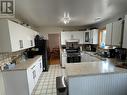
column 23, row 81
column 64, row 59
column 125, row 34
column 109, row 34
column 114, row 33
column 117, row 33
column 94, row 36
column 91, row 36
column 14, row 37
column 87, row 37
column 71, row 35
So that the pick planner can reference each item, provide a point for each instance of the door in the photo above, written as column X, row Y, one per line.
column 54, row 50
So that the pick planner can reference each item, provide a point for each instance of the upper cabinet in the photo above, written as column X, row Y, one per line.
column 15, row 37
column 69, row 36
column 91, row 36
column 125, row 34
column 114, row 33
column 108, row 34
column 94, row 36
column 87, row 37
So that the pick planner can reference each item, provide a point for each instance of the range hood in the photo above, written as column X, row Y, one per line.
column 72, row 40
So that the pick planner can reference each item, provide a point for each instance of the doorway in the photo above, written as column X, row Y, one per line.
column 54, row 50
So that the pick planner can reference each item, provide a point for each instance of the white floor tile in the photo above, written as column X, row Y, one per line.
column 47, row 81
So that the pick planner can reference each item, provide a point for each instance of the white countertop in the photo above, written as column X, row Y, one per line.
column 91, row 68
column 26, row 64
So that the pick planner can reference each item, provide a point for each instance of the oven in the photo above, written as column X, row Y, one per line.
column 73, row 52
column 73, row 58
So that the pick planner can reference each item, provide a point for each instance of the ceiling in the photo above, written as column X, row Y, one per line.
column 83, row 12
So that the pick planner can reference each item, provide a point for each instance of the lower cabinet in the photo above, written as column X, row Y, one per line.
column 22, row 82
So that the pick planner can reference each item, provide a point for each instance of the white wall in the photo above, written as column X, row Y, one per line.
column 53, row 30
column 49, row 30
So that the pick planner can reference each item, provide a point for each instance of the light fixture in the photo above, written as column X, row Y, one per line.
column 66, row 19
column 98, row 19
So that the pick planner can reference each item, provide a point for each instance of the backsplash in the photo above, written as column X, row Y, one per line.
column 8, row 57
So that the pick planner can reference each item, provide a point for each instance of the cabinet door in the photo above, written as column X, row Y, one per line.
column 64, row 59
column 30, row 78
column 64, row 37
column 16, row 38
column 94, row 36
column 78, row 35
column 41, row 65
column 125, row 34
column 109, row 28
column 117, row 33
column 37, row 71
column 87, row 37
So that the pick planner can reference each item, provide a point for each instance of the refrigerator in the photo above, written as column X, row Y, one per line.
column 41, row 48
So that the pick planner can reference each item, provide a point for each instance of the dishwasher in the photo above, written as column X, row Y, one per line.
column 61, row 86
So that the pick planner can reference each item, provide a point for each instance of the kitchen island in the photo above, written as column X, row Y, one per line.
column 96, row 78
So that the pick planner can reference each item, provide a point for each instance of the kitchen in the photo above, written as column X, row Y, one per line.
column 92, row 48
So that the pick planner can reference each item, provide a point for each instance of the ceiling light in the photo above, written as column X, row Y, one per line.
column 66, row 19
column 98, row 19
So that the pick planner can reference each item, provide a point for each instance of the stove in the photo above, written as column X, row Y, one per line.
column 73, row 52
column 73, row 56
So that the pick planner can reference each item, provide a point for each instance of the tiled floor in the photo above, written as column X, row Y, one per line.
column 47, row 82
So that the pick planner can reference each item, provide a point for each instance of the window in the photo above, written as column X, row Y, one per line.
column 102, row 38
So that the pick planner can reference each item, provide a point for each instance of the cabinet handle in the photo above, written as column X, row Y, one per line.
column 31, row 42
column 21, row 43
column 33, row 66
column 40, row 65
column 34, row 74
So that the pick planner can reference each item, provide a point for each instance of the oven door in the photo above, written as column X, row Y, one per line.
column 73, row 59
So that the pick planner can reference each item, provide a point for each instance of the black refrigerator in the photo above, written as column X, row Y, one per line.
column 41, row 47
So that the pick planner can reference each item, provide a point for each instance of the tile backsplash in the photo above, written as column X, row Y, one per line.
column 8, row 57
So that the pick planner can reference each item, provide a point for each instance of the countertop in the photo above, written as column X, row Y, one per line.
column 91, row 68
column 25, row 65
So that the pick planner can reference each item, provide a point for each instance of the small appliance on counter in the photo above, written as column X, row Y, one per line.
column 9, row 66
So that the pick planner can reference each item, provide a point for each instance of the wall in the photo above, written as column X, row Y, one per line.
column 53, row 41
column 112, row 19
column 8, row 57
column 53, row 30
